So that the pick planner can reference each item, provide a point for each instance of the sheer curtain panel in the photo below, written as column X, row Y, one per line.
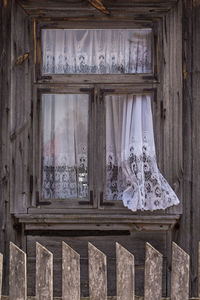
column 132, row 173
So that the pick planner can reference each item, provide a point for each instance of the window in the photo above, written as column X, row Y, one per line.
column 95, row 120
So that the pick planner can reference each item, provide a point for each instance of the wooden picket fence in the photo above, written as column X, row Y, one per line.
column 125, row 271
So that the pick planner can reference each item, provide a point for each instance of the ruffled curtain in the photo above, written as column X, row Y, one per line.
column 96, row 51
column 132, row 171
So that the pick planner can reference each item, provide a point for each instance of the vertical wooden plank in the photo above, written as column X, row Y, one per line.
column 20, row 112
column 125, row 272
column 97, row 274
column 153, row 274
column 180, row 274
column 70, row 273
column 18, row 276
column 199, row 271
column 44, row 273
column 1, row 273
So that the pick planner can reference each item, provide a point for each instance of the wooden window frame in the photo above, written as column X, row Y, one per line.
column 137, row 83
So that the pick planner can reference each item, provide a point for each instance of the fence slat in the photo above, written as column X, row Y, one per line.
column 44, row 273
column 18, row 276
column 1, row 273
column 153, row 274
column 125, row 271
column 180, row 274
column 70, row 273
column 97, row 273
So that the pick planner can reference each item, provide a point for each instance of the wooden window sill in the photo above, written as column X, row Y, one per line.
column 98, row 221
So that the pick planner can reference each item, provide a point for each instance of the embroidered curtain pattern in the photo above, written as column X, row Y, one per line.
column 132, row 173
column 96, row 51
column 65, row 146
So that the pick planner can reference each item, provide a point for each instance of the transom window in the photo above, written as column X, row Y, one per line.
column 97, row 51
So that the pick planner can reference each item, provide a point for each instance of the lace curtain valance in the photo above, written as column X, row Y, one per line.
column 96, row 51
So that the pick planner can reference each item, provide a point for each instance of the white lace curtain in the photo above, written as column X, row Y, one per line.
column 65, row 146
column 96, row 51
column 132, row 171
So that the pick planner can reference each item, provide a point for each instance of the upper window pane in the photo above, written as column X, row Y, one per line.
column 97, row 51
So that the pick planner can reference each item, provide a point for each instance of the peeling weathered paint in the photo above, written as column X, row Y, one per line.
column 18, row 276
column 97, row 273
column 153, row 274
column 70, row 273
column 180, row 274
column 44, row 273
column 125, row 274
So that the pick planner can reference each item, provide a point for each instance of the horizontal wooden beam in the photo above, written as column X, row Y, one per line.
column 117, row 221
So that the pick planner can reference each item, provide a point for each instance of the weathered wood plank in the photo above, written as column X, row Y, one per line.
column 199, row 271
column 44, row 273
column 1, row 273
column 153, row 274
column 20, row 112
column 135, row 243
column 97, row 273
column 18, row 275
column 125, row 274
column 180, row 274
column 70, row 273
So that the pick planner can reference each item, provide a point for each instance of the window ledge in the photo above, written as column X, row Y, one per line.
column 97, row 221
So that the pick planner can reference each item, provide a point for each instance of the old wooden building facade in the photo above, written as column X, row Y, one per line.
column 173, row 81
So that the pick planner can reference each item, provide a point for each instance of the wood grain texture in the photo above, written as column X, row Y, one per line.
column 99, row 5
column 199, row 271
column 134, row 243
column 180, row 274
column 170, row 97
column 20, row 111
column 44, row 273
column 70, row 273
column 153, row 274
column 125, row 270
column 97, row 273
column 143, row 8
column 1, row 273
column 18, row 275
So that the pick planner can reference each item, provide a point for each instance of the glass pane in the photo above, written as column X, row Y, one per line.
column 96, row 51
column 65, row 146
column 128, row 127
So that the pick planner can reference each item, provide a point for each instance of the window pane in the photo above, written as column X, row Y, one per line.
column 65, row 146
column 128, row 128
column 96, row 51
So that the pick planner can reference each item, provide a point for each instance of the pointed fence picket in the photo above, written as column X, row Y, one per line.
column 17, row 278
column 97, row 274
column 125, row 271
column 70, row 273
column 44, row 273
